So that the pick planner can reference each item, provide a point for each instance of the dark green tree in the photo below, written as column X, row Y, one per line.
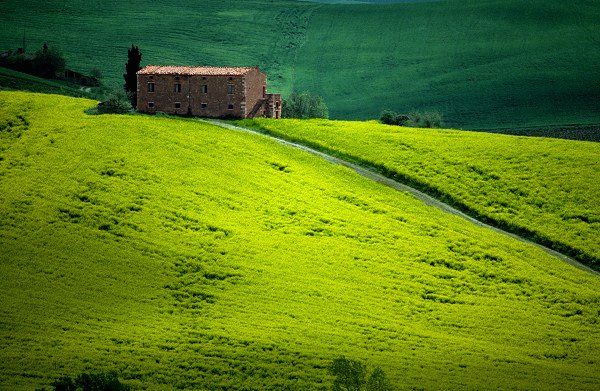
column 349, row 374
column 91, row 382
column 378, row 381
column 48, row 62
column 134, row 60
column 65, row 383
column 304, row 105
column 116, row 103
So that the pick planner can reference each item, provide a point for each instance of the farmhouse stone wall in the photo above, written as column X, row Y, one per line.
column 210, row 95
column 256, row 85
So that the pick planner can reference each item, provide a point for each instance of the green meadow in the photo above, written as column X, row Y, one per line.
column 513, row 65
column 17, row 81
column 542, row 188
column 188, row 256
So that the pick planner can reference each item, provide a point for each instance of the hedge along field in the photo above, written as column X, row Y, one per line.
column 188, row 256
column 485, row 64
column 545, row 189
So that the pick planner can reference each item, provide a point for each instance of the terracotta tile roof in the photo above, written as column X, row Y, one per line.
column 203, row 71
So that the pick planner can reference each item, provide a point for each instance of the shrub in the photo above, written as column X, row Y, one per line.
column 429, row 119
column 91, row 382
column 378, row 381
column 387, row 117
column 349, row 374
column 392, row 118
column 117, row 103
column 304, row 105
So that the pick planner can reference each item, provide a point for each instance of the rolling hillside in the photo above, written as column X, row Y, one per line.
column 187, row 256
column 18, row 81
column 544, row 189
column 515, row 65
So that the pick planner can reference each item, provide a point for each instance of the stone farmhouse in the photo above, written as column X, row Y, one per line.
column 218, row 92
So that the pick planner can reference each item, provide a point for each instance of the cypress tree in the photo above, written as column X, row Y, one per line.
column 134, row 59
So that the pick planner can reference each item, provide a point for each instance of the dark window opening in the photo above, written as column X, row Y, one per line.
column 230, row 88
column 264, row 91
column 150, row 87
column 230, row 106
column 150, row 105
column 231, row 78
column 203, row 105
column 176, row 78
column 177, row 87
column 177, row 105
column 204, row 89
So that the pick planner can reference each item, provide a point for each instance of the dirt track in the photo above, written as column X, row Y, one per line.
column 428, row 200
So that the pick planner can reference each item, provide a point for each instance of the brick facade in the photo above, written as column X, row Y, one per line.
column 206, row 92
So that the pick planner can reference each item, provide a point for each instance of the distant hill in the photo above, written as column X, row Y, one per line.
column 485, row 64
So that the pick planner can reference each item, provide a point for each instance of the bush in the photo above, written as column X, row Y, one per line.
column 429, row 119
column 117, row 103
column 304, row 105
column 378, row 381
column 392, row 118
column 349, row 374
column 387, row 117
column 91, row 382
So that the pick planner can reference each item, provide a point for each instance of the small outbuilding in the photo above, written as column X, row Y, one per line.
column 217, row 92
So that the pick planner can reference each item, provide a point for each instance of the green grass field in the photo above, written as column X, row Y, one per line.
column 546, row 189
column 16, row 81
column 184, row 255
column 511, row 65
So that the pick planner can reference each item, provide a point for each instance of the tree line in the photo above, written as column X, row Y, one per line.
column 49, row 63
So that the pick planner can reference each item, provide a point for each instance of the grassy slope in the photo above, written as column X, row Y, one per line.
column 484, row 64
column 184, row 254
column 546, row 188
column 481, row 63
column 13, row 80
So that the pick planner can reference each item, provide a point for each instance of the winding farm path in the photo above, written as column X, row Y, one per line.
column 427, row 199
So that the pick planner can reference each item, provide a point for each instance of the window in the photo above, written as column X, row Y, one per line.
column 204, row 89
column 150, row 105
column 203, row 105
column 230, row 89
column 264, row 91
column 230, row 106
column 177, row 105
column 177, row 87
column 150, row 87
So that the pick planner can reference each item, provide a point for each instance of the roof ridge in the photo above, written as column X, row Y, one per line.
column 196, row 70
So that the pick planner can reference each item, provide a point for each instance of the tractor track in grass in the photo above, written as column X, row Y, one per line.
column 379, row 178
